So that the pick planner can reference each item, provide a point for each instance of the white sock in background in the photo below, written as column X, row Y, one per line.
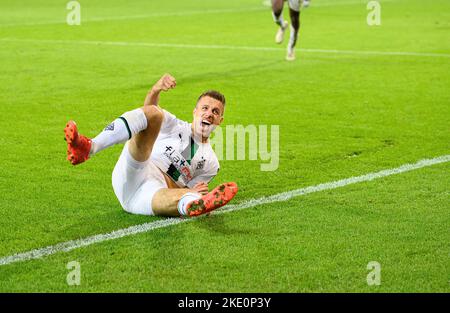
column 292, row 39
column 185, row 200
column 120, row 130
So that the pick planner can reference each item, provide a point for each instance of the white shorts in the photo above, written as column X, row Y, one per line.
column 294, row 5
column 135, row 183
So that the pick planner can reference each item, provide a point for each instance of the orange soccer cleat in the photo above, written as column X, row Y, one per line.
column 215, row 199
column 78, row 146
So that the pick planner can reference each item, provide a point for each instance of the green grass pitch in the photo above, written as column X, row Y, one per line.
column 340, row 115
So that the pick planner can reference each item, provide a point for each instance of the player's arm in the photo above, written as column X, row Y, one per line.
column 200, row 183
column 165, row 83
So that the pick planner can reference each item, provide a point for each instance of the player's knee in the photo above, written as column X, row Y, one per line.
column 154, row 114
column 277, row 13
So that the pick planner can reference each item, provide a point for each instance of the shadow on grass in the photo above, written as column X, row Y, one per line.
column 211, row 76
column 217, row 224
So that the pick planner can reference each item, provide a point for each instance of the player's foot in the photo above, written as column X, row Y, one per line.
column 78, row 146
column 280, row 33
column 290, row 56
column 215, row 199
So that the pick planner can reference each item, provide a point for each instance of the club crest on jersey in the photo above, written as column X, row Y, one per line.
column 110, row 127
column 200, row 164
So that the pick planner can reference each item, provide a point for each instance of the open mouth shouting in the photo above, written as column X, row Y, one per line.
column 206, row 123
column 205, row 127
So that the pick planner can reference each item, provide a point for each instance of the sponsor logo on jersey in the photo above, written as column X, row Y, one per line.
column 180, row 163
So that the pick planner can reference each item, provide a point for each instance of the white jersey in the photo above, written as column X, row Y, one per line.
column 180, row 156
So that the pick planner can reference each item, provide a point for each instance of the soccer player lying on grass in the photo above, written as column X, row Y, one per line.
column 166, row 163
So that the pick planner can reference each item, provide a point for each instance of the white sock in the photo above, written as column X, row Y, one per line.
column 292, row 39
column 120, row 130
column 278, row 20
column 185, row 200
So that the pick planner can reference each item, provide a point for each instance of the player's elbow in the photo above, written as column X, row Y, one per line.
column 154, row 114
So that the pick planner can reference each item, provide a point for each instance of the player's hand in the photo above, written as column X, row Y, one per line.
column 165, row 83
column 201, row 188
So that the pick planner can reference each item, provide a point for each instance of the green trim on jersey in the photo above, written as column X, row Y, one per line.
column 126, row 125
column 173, row 172
column 194, row 148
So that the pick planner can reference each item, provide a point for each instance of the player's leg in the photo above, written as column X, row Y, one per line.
column 136, row 183
column 294, row 12
column 141, row 125
column 187, row 202
column 142, row 188
column 277, row 13
column 141, row 144
column 166, row 201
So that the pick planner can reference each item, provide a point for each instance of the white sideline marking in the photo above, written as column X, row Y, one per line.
column 142, row 228
column 222, row 47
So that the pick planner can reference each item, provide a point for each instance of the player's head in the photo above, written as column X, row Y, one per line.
column 208, row 113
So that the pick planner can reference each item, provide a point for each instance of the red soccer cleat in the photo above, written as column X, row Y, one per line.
column 78, row 146
column 215, row 199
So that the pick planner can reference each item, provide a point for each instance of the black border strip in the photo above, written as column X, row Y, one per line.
column 126, row 124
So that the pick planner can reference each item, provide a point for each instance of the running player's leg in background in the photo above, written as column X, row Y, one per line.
column 277, row 13
column 295, row 27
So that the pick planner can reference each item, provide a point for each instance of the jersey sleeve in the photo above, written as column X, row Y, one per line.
column 171, row 123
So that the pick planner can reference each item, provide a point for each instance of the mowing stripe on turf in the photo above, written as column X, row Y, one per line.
column 222, row 47
column 169, row 14
column 142, row 228
column 140, row 16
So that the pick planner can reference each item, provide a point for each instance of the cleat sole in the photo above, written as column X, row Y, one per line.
column 220, row 196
